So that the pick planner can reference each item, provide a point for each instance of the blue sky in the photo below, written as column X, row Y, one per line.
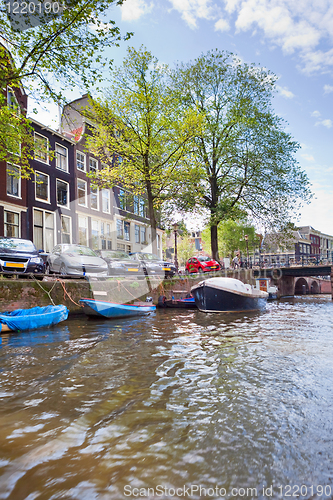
column 293, row 39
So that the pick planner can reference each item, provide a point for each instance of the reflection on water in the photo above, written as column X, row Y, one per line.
column 180, row 399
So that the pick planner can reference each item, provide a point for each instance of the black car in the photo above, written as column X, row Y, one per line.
column 120, row 263
column 18, row 256
column 152, row 265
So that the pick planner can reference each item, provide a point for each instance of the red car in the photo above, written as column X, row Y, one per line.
column 201, row 265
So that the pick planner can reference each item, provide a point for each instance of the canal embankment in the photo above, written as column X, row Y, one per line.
column 27, row 293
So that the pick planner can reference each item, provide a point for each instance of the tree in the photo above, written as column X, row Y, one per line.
column 245, row 160
column 141, row 120
column 231, row 237
column 52, row 58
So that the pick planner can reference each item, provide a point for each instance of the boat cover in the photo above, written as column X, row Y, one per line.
column 36, row 317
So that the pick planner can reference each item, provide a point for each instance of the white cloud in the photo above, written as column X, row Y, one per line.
column 328, row 89
column 307, row 157
column 222, row 25
column 132, row 10
column 192, row 10
column 303, row 26
column 326, row 123
column 285, row 92
column 316, row 114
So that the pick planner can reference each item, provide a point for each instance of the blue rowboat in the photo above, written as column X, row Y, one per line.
column 30, row 319
column 113, row 310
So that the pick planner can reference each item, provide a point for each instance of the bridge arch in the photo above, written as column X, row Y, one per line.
column 301, row 287
column 314, row 287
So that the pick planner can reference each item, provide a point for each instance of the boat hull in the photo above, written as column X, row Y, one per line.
column 211, row 298
column 111, row 310
column 31, row 319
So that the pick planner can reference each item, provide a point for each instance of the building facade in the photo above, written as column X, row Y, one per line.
column 60, row 203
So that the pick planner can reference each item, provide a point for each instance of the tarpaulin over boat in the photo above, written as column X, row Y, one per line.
column 36, row 317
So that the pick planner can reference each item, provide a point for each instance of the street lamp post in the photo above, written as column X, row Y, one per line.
column 247, row 249
column 175, row 227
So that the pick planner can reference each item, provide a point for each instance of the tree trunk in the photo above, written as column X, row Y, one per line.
column 152, row 218
column 214, row 242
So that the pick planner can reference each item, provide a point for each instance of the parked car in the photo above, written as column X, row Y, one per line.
column 75, row 260
column 120, row 263
column 19, row 256
column 201, row 264
column 152, row 265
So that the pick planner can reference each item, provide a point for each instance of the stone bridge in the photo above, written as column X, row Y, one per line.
column 300, row 280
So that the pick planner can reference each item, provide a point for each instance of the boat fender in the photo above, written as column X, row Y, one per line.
column 161, row 301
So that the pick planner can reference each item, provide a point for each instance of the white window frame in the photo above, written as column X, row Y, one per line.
column 85, row 219
column 106, row 191
column 137, row 232
column 10, row 95
column 85, row 196
column 64, row 182
column 5, row 223
column 93, row 241
column 96, row 191
column 120, row 225
column 48, row 187
column 47, row 162
column 56, row 157
column 19, row 197
column 44, row 246
column 84, row 161
column 93, row 168
column 70, row 227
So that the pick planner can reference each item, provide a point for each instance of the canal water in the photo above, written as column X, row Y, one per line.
column 180, row 404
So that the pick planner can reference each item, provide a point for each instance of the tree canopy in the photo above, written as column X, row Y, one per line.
column 51, row 58
column 142, row 133
column 245, row 160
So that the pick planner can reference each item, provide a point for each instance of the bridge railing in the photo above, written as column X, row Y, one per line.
column 286, row 260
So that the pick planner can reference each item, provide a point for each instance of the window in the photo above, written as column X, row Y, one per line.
column 143, row 235
column 80, row 161
column 61, row 154
column 137, row 233
column 127, row 226
column 82, row 192
column 121, row 246
column 142, row 208
column 12, row 101
column 42, row 186
column 11, row 224
column 62, row 193
column 122, row 199
column 43, row 230
column 94, row 198
column 92, row 165
column 66, row 229
column 120, row 229
column 136, row 204
column 13, row 181
column 106, row 201
column 41, row 148
column 83, row 230
column 95, row 234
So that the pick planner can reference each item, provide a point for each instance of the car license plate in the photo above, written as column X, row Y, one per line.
column 166, row 268
column 14, row 264
column 132, row 269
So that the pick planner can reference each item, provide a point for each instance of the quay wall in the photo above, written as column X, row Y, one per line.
column 27, row 293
